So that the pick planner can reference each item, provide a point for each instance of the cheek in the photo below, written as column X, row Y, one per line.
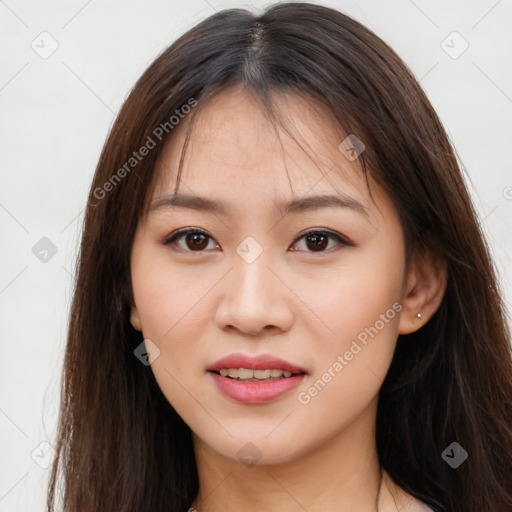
column 168, row 297
column 352, row 298
column 172, row 304
column 175, row 307
column 360, row 305
column 351, row 364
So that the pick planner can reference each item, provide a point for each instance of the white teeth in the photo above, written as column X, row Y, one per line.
column 246, row 374
column 261, row 374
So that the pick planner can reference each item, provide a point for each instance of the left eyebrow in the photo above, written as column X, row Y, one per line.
column 300, row 205
column 305, row 204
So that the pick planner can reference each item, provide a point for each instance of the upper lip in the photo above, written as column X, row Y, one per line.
column 255, row 362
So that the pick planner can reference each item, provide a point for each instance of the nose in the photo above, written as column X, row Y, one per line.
column 254, row 300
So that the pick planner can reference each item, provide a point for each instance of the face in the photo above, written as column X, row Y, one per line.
column 313, row 289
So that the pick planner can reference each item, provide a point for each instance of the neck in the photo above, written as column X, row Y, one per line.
column 341, row 475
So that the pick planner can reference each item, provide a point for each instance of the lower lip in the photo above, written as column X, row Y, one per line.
column 256, row 392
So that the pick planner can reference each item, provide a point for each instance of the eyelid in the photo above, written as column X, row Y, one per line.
column 183, row 231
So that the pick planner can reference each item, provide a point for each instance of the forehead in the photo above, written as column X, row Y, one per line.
column 237, row 151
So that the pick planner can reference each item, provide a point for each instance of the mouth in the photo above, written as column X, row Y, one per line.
column 248, row 375
column 255, row 380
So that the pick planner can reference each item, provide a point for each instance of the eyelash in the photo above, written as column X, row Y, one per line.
column 185, row 231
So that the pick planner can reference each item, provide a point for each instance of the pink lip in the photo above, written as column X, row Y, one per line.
column 250, row 392
column 256, row 392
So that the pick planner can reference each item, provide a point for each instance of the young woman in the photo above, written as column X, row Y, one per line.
column 283, row 299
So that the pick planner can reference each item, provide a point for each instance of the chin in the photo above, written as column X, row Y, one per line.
column 257, row 449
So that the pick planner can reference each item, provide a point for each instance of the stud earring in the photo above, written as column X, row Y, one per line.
column 419, row 315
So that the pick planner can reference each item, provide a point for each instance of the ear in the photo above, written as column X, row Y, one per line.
column 423, row 290
column 135, row 318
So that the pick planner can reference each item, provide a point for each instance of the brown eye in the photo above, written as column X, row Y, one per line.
column 190, row 240
column 196, row 241
column 320, row 241
column 317, row 242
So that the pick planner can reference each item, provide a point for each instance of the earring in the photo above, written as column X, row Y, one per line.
column 419, row 315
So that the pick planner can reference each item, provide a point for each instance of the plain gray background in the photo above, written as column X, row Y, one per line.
column 56, row 109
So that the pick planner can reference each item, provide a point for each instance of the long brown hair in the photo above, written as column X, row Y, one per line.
column 121, row 446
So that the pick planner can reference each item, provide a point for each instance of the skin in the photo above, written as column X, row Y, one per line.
column 304, row 306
